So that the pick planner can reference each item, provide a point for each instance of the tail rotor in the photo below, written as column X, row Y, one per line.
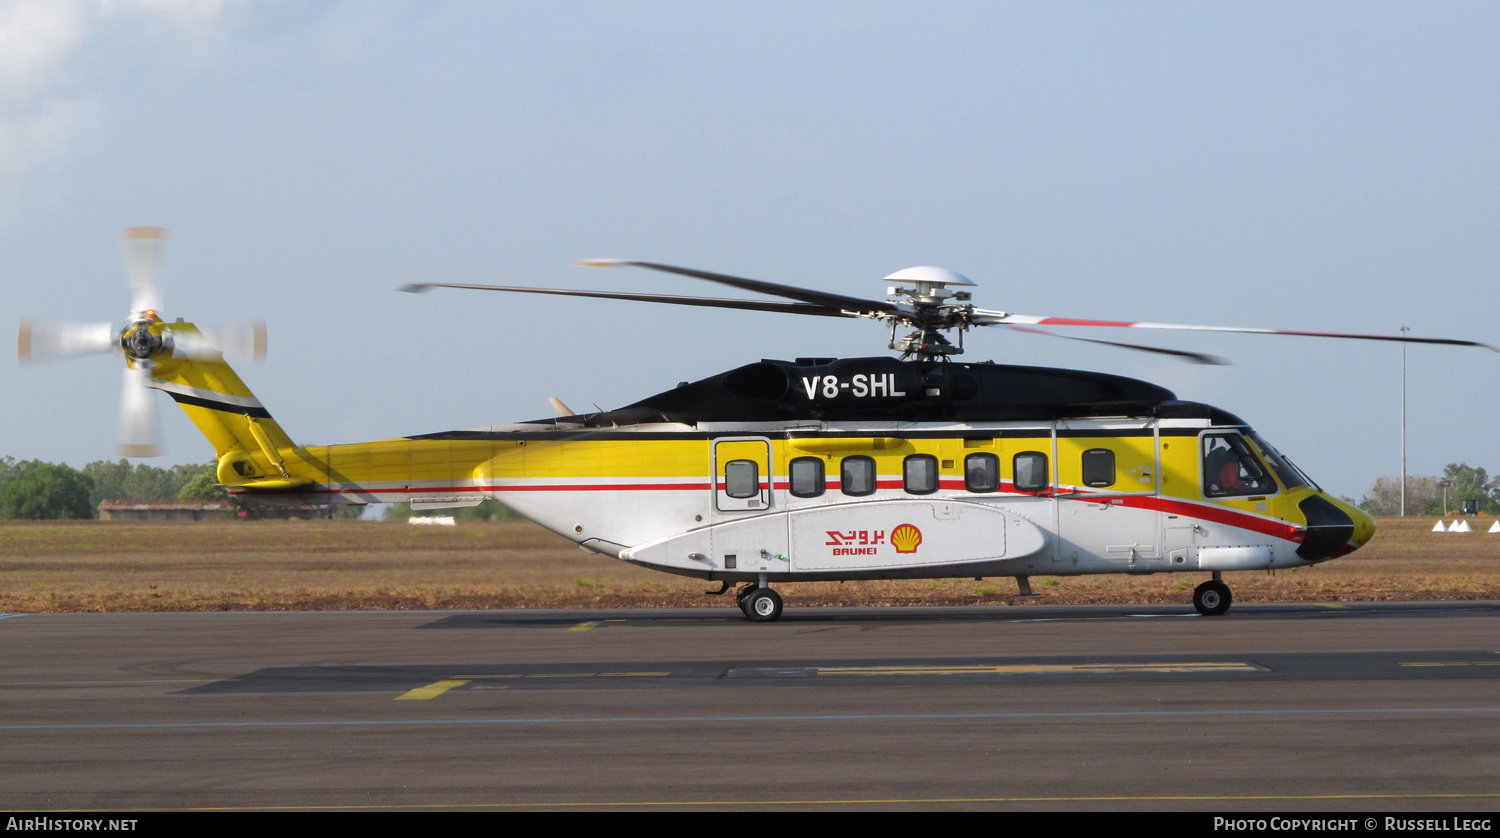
column 145, row 340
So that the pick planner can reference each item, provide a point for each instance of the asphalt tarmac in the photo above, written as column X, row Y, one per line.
column 1306, row 707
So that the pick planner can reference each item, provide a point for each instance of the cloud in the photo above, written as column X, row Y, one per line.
column 36, row 39
column 48, row 109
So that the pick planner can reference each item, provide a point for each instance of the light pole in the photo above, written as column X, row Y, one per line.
column 1404, row 330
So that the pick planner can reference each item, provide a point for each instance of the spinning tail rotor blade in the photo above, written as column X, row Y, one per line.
column 211, row 343
column 143, row 252
column 138, row 415
column 37, row 341
column 194, row 346
column 711, row 302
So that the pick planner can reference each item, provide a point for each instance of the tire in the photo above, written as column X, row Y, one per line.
column 742, row 597
column 763, row 605
column 1212, row 598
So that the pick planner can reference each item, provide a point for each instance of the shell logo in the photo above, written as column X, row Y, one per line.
column 906, row 538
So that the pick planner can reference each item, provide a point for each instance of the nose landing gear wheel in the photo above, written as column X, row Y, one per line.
column 761, row 605
column 1212, row 598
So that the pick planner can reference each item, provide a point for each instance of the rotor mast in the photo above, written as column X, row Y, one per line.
column 930, row 314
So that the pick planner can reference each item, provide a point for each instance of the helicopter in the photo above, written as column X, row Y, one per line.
column 810, row 469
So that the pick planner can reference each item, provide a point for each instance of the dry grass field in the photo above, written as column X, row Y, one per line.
column 341, row 565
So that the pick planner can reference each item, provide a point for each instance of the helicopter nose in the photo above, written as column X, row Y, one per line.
column 1364, row 526
column 1333, row 528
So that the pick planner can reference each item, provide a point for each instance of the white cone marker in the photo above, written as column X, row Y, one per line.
column 1438, row 527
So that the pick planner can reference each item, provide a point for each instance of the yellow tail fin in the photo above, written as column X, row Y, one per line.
column 246, row 440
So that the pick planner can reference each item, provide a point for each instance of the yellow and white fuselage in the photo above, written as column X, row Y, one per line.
column 822, row 469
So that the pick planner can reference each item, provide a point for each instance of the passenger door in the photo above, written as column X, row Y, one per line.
column 742, row 475
column 742, row 491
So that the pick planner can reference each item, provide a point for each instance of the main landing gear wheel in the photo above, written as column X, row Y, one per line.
column 1212, row 598
column 762, row 605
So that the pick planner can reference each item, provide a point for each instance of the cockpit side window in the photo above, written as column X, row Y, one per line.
column 1290, row 476
column 1231, row 469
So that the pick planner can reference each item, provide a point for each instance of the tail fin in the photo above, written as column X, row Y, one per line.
column 246, row 439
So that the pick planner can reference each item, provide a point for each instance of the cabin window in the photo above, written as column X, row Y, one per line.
column 807, row 477
column 919, row 474
column 982, row 473
column 1031, row 471
column 1098, row 467
column 1231, row 469
column 857, row 476
column 742, row 479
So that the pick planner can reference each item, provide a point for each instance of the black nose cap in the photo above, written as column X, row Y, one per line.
column 1328, row 529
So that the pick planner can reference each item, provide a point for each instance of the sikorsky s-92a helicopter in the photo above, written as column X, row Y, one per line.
column 815, row 468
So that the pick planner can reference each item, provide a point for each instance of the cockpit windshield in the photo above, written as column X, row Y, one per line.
column 1291, row 476
column 1231, row 469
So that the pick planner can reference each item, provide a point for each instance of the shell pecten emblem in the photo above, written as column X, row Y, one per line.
column 906, row 538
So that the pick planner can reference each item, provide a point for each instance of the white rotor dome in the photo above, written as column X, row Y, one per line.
column 930, row 274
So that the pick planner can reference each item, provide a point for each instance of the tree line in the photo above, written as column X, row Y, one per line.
column 32, row 489
column 1425, row 494
column 39, row 490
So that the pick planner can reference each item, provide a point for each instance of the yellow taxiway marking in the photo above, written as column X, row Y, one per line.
column 584, row 626
column 1333, row 605
column 430, row 691
column 1454, row 663
column 437, row 688
column 1013, row 669
column 566, row 675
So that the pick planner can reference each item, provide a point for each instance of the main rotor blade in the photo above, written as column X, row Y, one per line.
column 1195, row 357
column 791, row 292
column 64, row 340
column 137, row 415
column 143, row 251
column 1000, row 318
column 712, row 302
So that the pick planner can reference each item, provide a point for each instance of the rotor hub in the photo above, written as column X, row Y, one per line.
column 139, row 342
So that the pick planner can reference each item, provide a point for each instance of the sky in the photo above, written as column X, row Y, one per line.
column 1327, row 166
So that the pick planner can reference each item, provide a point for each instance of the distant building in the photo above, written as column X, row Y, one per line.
column 165, row 510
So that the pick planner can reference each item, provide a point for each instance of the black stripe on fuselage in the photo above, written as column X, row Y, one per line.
column 583, row 434
column 226, row 407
